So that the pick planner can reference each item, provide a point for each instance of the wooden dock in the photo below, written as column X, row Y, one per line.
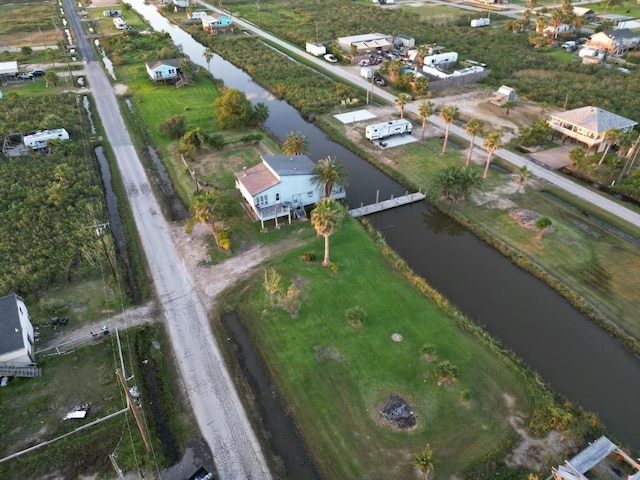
column 387, row 204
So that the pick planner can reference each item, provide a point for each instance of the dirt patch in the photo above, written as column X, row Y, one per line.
column 526, row 218
column 321, row 353
column 533, row 453
column 397, row 412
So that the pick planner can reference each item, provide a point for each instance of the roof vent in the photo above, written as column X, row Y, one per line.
column 244, row 171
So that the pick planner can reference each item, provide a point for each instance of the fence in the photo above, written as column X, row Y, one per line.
column 458, row 81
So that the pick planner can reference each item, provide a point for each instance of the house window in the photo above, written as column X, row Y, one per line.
column 261, row 201
column 309, row 194
column 277, row 197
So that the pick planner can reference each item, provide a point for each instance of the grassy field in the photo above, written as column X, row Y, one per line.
column 336, row 378
column 580, row 253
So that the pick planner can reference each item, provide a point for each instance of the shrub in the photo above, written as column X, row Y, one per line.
column 333, row 267
column 173, row 126
column 355, row 317
column 428, row 349
column 309, row 257
column 465, row 395
column 446, row 372
column 217, row 141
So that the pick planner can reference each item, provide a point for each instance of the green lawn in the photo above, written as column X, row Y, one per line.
column 580, row 253
column 335, row 378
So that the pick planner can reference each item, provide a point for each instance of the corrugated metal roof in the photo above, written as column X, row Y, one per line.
column 10, row 329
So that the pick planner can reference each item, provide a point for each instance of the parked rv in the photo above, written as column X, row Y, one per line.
column 316, row 49
column 379, row 131
column 366, row 72
column 39, row 140
column 120, row 23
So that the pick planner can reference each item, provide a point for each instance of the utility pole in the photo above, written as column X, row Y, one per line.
column 134, row 410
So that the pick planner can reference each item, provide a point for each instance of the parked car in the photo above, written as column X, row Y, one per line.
column 331, row 58
column 38, row 73
column 364, row 63
column 380, row 81
column 24, row 75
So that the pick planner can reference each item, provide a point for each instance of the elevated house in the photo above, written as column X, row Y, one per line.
column 615, row 43
column 180, row 4
column 17, row 356
column 280, row 186
column 217, row 23
column 163, row 70
column 588, row 125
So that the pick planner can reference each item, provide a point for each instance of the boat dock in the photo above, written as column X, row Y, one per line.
column 387, row 204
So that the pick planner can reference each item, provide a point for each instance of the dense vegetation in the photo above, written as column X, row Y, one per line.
column 49, row 200
column 300, row 86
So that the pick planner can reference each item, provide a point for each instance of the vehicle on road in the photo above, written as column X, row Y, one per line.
column 331, row 58
column 379, row 81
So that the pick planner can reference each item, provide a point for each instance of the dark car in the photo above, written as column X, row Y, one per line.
column 38, row 73
column 379, row 81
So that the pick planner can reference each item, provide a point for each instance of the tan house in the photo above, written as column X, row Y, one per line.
column 614, row 42
column 588, row 125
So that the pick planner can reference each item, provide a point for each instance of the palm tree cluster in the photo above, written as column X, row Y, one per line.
column 454, row 183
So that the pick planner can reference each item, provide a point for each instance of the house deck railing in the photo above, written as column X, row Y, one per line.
column 578, row 136
column 28, row 371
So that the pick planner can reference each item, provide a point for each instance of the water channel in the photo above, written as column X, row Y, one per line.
column 576, row 358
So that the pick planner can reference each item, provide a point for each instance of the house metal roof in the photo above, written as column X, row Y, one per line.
column 620, row 33
column 289, row 164
column 10, row 330
column 273, row 167
column 594, row 119
column 172, row 62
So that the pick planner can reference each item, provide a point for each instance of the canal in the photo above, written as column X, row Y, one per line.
column 576, row 358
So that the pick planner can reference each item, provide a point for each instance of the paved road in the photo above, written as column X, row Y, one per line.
column 553, row 178
column 217, row 408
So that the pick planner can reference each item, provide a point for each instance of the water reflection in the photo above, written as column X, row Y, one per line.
column 440, row 223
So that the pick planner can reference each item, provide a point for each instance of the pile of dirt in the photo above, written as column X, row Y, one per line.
column 397, row 412
column 525, row 218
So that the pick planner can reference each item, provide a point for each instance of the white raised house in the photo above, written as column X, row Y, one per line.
column 164, row 69
column 588, row 125
column 217, row 23
column 280, row 186
column 39, row 140
column 17, row 356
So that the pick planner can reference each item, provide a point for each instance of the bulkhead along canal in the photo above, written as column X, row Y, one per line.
column 576, row 358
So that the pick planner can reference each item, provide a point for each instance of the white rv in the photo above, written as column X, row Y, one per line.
column 120, row 23
column 39, row 140
column 316, row 49
column 379, row 131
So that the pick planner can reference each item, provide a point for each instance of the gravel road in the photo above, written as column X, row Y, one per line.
column 218, row 410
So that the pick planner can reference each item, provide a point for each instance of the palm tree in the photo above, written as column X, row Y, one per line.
column 295, row 144
column 424, row 461
column 473, row 129
column 508, row 105
column 522, row 175
column 556, row 21
column 491, row 143
column 329, row 173
column 207, row 208
column 395, row 67
column 449, row 114
column 611, row 137
column 401, row 101
column 425, row 110
column 542, row 224
column 260, row 113
column 325, row 218
column 208, row 55
column 421, row 52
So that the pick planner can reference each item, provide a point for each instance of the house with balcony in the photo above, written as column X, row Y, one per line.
column 163, row 70
column 280, row 187
column 217, row 23
column 588, row 125
column 615, row 43
column 17, row 355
